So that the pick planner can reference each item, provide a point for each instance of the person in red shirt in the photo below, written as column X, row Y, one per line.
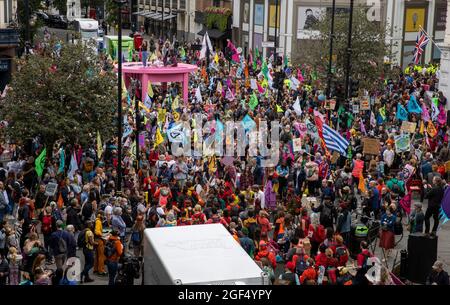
column 309, row 276
column 264, row 222
column 264, row 252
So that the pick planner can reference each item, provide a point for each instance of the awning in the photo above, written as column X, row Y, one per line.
column 167, row 17
column 212, row 33
column 154, row 16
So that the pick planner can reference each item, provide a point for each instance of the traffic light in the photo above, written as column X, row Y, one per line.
column 354, row 88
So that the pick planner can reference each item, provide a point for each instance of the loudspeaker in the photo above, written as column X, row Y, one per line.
column 422, row 253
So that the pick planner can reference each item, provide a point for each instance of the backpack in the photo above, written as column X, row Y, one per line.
column 110, row 248
column 81, row 240
column 310, row 172
column 62, row 245
column 136, row 237
column 46, row 227
column 342, row 255
column 252, row 226
column 300, row 266
column 396, row 188
column 164, row 192
column 326, row 214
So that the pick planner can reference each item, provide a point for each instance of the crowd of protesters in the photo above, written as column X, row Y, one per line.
column 301, row 216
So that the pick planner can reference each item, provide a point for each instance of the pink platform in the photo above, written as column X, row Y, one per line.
column 158, row 74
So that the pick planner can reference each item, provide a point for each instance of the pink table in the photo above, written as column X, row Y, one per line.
column 158, row 74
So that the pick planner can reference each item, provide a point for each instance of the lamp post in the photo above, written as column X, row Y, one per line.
column 27, row 17
column 330, row 60
column 349, row 52
column 120, row 3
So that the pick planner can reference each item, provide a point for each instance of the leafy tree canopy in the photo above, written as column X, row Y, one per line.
column 65, row 97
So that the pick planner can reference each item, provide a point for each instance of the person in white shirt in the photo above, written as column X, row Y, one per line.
column 388, row 157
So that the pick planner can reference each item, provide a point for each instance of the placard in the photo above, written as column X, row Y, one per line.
column 330, row 104
column 355, row 108
column 335, row 157
column 402, row 143
column 365, row 104
column 297, row 144
column 409, row 127
column 371, row 146
column 50, row 189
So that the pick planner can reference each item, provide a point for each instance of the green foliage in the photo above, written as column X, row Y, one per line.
column 112, row 10
column 67, row 97
column 61, row 6
column 368, row 48
column 217, row 17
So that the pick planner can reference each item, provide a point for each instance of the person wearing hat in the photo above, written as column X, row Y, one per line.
column 114, row 250
column 437, row 275
column 264, row 252
column 417, row 219
column 289, row 274
column 247, row 243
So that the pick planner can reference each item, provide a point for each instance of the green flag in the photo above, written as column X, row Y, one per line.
column 286, row 61
column 265, row 70
column 257, row 55
column 253, row 101
column 40, row 162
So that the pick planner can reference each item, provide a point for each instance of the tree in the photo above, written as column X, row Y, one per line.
column 67, row 97
column 368, row 47
column 112, row 9
column 33, row 7
column 61, row 6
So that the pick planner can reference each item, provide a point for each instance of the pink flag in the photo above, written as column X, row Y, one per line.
column 141, row 140
column 300, row 75
column 319, row 115
column 442, row 117
column 260, row 89
column 228, row 82
column 363, row 128
column 235, row 56
column 425, row 113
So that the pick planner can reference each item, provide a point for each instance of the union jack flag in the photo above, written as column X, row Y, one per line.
column 421, row 42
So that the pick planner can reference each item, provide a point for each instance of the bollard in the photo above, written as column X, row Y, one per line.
column 403, row 264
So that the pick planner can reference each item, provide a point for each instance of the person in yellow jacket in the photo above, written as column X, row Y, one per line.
column 99, row 259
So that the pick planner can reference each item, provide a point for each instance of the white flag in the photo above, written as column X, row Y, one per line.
column 297, row 107
column 206, row 44
column 295, row 82
column 198, row 95
column 253, row 84
column 73, row 166
column 176, row 134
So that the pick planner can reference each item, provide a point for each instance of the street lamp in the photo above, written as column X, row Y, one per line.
column 120, row 3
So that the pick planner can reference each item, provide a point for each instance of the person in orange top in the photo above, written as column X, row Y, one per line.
column 264, row 252
column 113, row 259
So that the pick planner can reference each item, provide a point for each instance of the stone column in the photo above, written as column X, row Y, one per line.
column 444, row 78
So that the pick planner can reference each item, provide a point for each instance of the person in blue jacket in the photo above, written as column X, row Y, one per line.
column 387, row 239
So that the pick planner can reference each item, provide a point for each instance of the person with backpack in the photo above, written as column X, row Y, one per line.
column 362, row 267
column 86, row 242
column 289, row 274
column 316, row 234
column 198, row 217
column 118, row 224
column 247, row 243
column 113, row 252
column 60, row 239
column 340, row 251
column 396, row 186
column 344, row 223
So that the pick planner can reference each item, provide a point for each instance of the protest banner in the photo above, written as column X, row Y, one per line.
column 364, row 104
column 335, row 157
column 402, row 143
column 371, row 146
column 409, row 127
column 330, row 104
column 355, row 108
column 297, row 144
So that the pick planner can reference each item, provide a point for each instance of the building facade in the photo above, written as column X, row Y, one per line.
column 255, row 24
column 9, row 40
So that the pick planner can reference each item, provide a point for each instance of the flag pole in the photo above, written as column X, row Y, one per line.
column 429, row 37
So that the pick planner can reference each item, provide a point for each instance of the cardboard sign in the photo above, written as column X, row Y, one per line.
column 402, row 143
column 355, row 108
column 409, row 127
column 335, row 157
column 297, row 144
column 371, row 146
column 50, row 189
column 330, row 104
column 365, row 105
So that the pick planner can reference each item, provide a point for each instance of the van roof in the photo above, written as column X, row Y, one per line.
column 201, row 254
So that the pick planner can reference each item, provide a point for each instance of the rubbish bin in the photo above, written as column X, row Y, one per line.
column 138, row 39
